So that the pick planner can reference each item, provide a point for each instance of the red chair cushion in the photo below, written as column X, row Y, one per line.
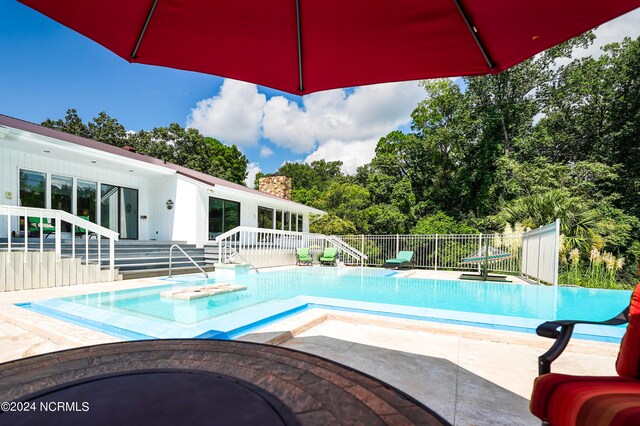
column 564, row 400
column 628, row 363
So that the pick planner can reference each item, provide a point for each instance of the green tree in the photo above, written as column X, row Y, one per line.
column 441, row 223
column 332, row 225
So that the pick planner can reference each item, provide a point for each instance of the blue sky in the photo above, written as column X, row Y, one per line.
column 46, row 68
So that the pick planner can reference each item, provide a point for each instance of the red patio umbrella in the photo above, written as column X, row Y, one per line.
column 303, row 46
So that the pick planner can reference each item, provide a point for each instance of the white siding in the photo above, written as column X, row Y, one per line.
column 11, row 161
column 187, row 221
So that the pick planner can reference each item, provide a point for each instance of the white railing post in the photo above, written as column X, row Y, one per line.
column 362, row 251
column 112, row 255
column 435, row 263
column 73, row 237
column 86, row 246
column 41, row 231
column 9, row 230
column 58, row 236
column 479, row 251
column 26, row 236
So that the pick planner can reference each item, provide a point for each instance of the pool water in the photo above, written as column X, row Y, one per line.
column 361, row 289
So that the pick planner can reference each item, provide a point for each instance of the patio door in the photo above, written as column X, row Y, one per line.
column 224, row 215
column 119, row 210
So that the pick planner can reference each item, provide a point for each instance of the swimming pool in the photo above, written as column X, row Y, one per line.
column 269, row 296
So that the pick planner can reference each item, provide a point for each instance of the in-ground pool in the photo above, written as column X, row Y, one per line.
column 144, row 313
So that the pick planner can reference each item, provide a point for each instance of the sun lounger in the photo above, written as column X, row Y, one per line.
column 329, row 256
column 404, row 259
column 303, row 257
column 35, row 225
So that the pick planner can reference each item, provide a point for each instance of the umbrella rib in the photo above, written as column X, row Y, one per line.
column 144, row 29
column 301, row 88
column 474, row 33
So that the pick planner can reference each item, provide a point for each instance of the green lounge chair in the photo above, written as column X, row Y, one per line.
column 303, row 257
column 329, row 257
column 403, row 260
column 80, row 232
column 34, row 227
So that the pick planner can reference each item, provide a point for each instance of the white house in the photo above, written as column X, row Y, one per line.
column 138, row 196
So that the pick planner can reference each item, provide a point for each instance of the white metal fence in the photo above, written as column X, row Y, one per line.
column 270, row 247
column 438, row 251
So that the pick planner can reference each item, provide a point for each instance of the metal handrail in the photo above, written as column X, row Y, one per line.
column 188, row 257
column 337, row 241
column 239, row 255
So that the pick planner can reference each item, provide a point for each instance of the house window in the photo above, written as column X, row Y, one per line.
column 278, row 219
column 287, row 221
column 224, row 215
column 86, row 199
column 32, row 189
column 62, row 196
column 265, row 218
column 300, row 218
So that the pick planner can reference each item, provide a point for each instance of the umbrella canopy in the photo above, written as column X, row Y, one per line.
column 303, row 46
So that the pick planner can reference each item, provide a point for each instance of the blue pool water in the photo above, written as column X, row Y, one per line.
column 143, row 312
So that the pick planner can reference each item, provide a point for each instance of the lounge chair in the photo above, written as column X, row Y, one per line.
column 80, row 232
column 561, row 399
column 35, row 225
column 483, row 257
column 329, row 256
column 303, row 257
column 404, row 259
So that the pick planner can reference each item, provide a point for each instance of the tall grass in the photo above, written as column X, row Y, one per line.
column 597, row 270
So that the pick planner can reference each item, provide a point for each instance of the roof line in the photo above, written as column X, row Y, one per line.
column 38, row 129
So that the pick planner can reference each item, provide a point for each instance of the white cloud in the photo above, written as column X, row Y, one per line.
column 339, row 115
column 252, row 171
column 339, row 124
column 265, row 152
column 353, row 154
column 233, row 116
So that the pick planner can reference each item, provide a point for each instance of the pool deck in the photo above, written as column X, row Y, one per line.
column 469, row 375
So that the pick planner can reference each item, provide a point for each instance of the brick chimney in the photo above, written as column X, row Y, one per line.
column 280, row 186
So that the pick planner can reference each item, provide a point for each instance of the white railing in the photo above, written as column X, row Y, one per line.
column 262, row 242
column 14, row 213
column 436, row 251
column 439, row 251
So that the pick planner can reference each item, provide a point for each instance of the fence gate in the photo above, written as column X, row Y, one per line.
column 540, row 247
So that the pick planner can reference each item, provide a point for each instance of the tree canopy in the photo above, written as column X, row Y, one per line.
column 175, row 144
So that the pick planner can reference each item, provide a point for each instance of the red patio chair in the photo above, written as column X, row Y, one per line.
column 560, row 399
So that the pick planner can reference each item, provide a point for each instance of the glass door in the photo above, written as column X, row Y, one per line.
column 129, row 215
column 119, row 210
column 109, row 208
